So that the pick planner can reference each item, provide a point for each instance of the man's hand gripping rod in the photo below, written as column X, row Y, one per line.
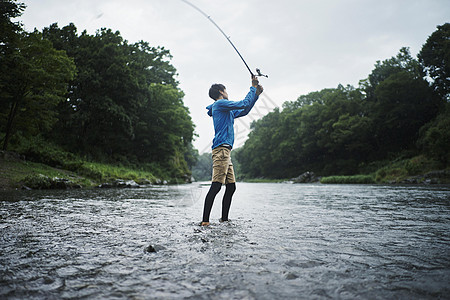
column 258, row 71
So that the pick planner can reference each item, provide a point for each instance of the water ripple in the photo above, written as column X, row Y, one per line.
column 284, row 241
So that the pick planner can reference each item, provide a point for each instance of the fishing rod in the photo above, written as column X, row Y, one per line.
column 258, row 71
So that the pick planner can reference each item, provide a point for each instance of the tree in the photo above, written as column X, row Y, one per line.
column 124, row 105
column 202, row 170
column 399, row 102
column 404, row 104
column 10, row 33
column 9, row 30
column 113, row 86
column 35, row 81
column 435, row 137
column 435, row 58
column 403, row 61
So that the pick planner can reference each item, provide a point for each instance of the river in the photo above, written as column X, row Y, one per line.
column 284, row 241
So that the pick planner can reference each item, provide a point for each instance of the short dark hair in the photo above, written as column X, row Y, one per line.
column 214, row 91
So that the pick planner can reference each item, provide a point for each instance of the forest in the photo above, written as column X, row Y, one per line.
column 400, row 111
column 69, row 96
column 70, row 99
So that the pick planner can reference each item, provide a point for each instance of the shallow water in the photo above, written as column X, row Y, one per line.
column 285, row 241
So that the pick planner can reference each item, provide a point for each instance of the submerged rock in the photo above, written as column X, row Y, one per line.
column 153, row 249
column 150, row 249
column 291, row 276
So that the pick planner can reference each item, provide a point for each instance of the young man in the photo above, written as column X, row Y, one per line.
column 223, row 112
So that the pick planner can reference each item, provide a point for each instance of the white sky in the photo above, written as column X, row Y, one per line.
column 303, row 46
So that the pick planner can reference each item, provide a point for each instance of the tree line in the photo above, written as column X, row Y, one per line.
column 95, row 95
column 400, row 110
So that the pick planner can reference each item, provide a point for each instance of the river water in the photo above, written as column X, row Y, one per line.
column 284, row 241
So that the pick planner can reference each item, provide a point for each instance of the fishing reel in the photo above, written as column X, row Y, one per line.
column 258, row 71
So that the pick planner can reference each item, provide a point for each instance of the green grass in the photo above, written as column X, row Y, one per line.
column 397, row 171
column 16, row 172
column 106, row 172
column 354, row 179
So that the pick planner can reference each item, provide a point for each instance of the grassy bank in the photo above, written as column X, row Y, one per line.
column 418, row 169
column 354, row 179
column 415, row 170
column 16, row 172
column 404, row 170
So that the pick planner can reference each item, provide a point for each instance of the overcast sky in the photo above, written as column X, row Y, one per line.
column 303, row 46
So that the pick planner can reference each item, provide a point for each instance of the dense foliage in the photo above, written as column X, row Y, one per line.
column 97, row 96
column 401, row 109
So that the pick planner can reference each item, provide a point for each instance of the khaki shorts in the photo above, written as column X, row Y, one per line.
column 222, row 167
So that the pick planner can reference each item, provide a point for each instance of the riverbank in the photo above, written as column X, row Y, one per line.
column 16, row 172
column 416, row 170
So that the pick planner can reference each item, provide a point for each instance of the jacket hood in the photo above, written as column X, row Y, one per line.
column 209, row 108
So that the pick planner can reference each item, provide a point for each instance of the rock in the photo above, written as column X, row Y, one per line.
column 187, row 178
column 119, row 183
column 143, row 181
column 105, row 185
column 131, row 184
column 433, row 177
column 307, row 177
column 438, row 174
column 291, row 276
column 412, row 180
column 153, row 249
column 150, row 249
column 431, row 181
column 60, row 183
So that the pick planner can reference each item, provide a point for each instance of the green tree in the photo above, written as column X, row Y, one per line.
column 10, row 34
column 339, row 131
column 403, row 61
column 318, row 132
column 35, row 81
column 165, row 129
column 435, row 138
column 399, row 103
column 259, row 153
column 404, row 104
column 125, row 104
column 435, row 58
column 9, row 30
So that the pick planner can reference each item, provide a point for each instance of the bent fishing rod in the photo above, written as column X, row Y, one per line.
column 258, row 72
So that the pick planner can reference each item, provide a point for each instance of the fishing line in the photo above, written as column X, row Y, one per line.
column 258, row 72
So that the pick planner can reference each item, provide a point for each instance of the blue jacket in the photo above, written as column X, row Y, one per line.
column 224, row 112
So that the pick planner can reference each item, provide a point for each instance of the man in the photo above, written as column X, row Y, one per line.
column 223, row 112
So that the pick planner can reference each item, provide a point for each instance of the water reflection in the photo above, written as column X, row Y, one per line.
column 284, row 241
